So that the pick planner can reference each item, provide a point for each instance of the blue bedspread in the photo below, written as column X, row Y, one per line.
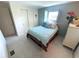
column 42, row 34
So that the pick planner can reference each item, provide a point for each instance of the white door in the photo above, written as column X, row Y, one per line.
column 22, row 22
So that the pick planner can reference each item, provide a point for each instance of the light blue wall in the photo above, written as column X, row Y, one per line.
column 40, row 16
column 63, row 9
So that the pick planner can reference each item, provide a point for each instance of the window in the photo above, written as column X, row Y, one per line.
column 51, row 16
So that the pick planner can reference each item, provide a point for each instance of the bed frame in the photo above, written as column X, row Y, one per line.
column 39, row 42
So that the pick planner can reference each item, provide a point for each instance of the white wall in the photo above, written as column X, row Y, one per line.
column 3, row 48
column 23, row 17
column 33, row 21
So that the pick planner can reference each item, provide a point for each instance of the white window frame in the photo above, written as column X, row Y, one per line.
column 46, row 16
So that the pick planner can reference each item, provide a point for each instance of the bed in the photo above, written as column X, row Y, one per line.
column 42, row 35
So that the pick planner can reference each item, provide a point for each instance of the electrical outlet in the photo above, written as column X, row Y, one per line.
column 12, row 52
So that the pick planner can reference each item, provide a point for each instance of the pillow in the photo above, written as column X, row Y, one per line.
column 45, row 24
column 49, row 25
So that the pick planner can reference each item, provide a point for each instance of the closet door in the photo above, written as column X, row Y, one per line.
column 6, row 24
column 23, row 22
column 20, row 20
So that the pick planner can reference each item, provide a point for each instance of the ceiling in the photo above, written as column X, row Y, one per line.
column 40, row 4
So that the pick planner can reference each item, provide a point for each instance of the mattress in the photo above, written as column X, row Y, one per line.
column 42, row 34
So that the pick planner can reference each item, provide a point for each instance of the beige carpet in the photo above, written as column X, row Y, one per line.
column 76, row 54
column 26, row 48
column 57, row 50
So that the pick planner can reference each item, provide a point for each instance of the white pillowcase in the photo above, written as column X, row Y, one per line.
column 52, row 25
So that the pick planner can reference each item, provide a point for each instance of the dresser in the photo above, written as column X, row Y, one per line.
column 72, row 36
